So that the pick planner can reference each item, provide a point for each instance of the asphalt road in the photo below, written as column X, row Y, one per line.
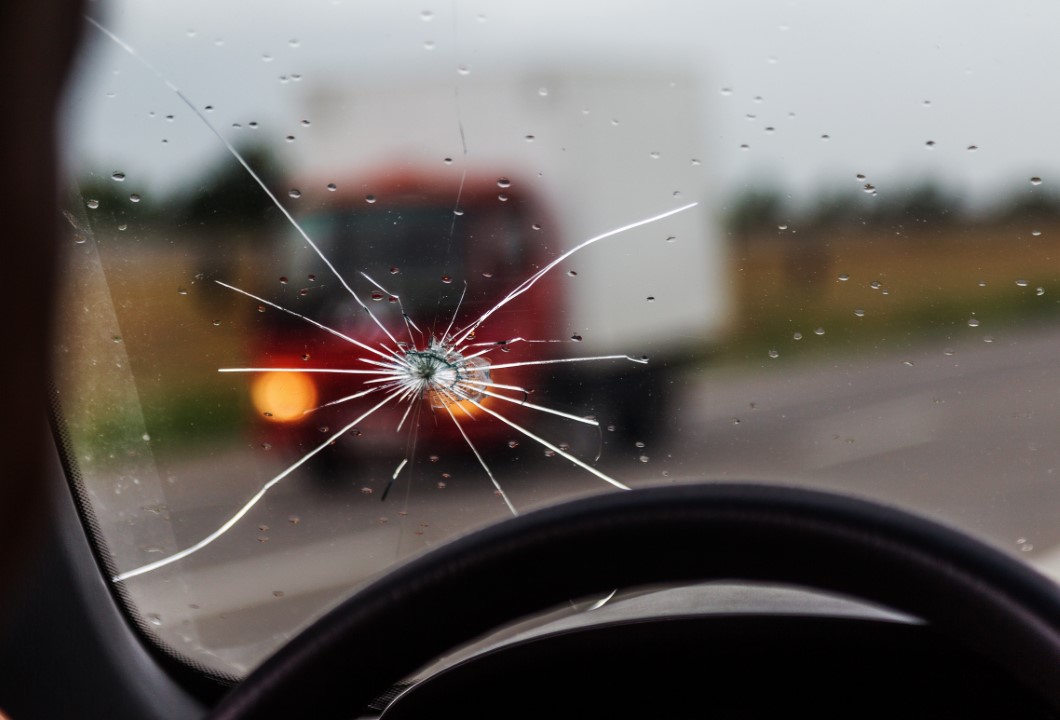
column 965, row 433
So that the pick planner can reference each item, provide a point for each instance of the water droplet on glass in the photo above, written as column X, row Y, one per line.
column 644, row 458
column 277, row 593
column 529, row 138
column 973, row 322
column 376, row 295
column 542, row 91
column 92, row 204
column 907, row 363
column 550, row 453
column 332, row 187
column 930, row 143
column 463, row 69
column 1036, row 180
column 972, row 148
column 154, row 619
column 869, row 188
column 294, row 193
column 1039, row 291
column 875, row 284
column 502, row 197
column 726, row 91
column 819, row 331
column 1021, row 283
column 651, row 298
column 252, row 125
column 427, row 15
column 797, row 336
column 572, row 273
column 1036, row 233
column 117, row 176
column 843, row 277
column 216, row 323
column 745, row 146
column 442, row 486
column 447, row 279
column 134, row 198
column 774, row 354
column 283, row 279
column 289, row 138
column 988, row 338
column 859, row 312
column 447, row 161
column 576, row 338
column 369, row 199
column 504, row 182
column 169, row 118
column 311, row 278
column 860, row 176
column 366, row 491
column 428, row 44
column 826, row 137
column 182, row 291
column 305, row 123
column 654, row 155
column 265, row 445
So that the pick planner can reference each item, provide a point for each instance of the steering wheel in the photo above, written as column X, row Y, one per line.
column 972, row 594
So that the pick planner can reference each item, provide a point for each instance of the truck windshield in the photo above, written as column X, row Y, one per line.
column 347, row 280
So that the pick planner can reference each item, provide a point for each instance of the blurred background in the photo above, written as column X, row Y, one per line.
column 863, row 298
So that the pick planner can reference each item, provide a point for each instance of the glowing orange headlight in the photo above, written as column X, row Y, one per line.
column 283, row 396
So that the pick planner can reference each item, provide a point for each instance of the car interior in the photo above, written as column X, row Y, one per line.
column 406, row 360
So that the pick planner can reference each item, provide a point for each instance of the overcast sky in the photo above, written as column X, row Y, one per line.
column 881, row 80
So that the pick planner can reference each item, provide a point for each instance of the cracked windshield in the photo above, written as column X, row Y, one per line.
column 347, row 279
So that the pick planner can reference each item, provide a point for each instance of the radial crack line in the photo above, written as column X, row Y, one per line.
column 308, row 319
column 482, row 462
column 542, row 408
column 344, row 371
column 242, row 161
column 355, row 396
column 548, row 445
column 529, row 282
column 249, row 504
column 639, row 361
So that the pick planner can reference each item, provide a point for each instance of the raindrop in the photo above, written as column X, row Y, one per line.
column 988, row 338
column 972, row 148
column 502, row 197
column 826, row 137
column 134, row 198
column 504, row 182
column 907, row 363
column 283, row 279
column 289, row 138
column 550, row 453
column 973, row 322
column 208, row 108
column 843, row 277
column 535, row 226
column 441, row 486
column 369, row 199
column 118, row 176
column 447, row 279
column 930, row 143
column 982, row 283
column 237, row 126
column 542, row 91
column 463, row 69
column 277, row 593
column 1021, row 283
column 332, row 187
column 447, row 161
column 875, row 284
column 572, row 273
column 217, row 323
column 366, row 491
column 294, row 193
column 1036, row 180
column 745, row 146
column 695, row 162
column 261, row 308
column 294, row 519
column 253, row 125
column 80, row 239
column 819, row 331
column 859, row 312
column 726, row 91
column 782, row 227
column 529, row 138
column 122, row 227
column 774, row 354
column 644, row 458
column 182, row 291
column 265, row 445
column 1039, row 291
column 513, row 443
column 860, row 176
column 576, row 338
column 770, row 129
column 376, row 295
column 614, row 122
column 426, row 16
column 294, row 42
column 154, row 619
column 1036, row 233
column 651, row 298
column 395, row 270
column 654, row 154
column 869, row 188
column 311, row 278
column 169, row 118
column 949, row 352
column 266, row 58
column 428, row 44
column 797, row 336
column 305, row 123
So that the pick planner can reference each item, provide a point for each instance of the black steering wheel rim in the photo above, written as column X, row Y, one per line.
column 970, row 592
